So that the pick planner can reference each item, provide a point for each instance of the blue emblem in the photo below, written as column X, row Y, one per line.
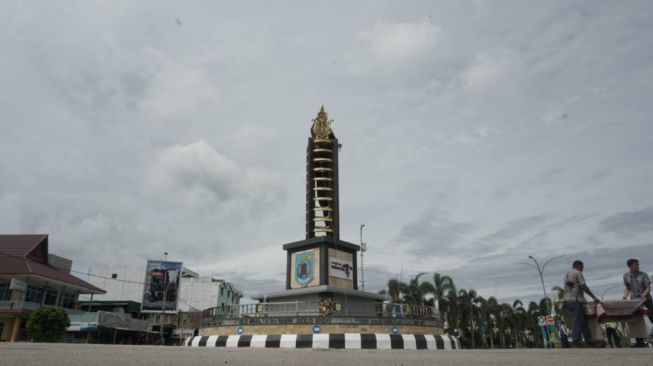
column 240, row 331
column 304, row 267
column 316, row 328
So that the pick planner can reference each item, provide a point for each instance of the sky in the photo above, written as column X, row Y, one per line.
column 475, row 134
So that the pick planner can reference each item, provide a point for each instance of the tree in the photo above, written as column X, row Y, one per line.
column 414, row 291
column 558, row 304
column 521, row 320
column 466, row 299
column 441, row 284
column 47, row 324
column 394, row 288
column 452, row 309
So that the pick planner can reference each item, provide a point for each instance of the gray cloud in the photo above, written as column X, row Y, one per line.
column 475, row 134
column 629, row 223
column 516, row 227
column 430, row 232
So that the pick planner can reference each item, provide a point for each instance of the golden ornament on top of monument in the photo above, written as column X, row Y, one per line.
column 322, row 125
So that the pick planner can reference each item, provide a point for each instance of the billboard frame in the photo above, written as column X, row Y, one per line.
column 164, row 304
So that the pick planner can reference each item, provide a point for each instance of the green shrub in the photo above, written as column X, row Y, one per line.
column 47, row 324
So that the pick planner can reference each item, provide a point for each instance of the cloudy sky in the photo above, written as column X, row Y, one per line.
column 475, row 133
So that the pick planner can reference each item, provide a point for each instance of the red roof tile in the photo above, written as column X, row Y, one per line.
column 27, row 255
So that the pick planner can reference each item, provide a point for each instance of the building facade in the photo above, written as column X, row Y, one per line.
column 31, row 277
column 195, row 293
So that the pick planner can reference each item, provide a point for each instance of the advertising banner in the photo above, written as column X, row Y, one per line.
column 341, row 268
column 161, row 290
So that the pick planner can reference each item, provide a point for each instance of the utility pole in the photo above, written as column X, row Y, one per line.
column 165, row 296
column 363, row 249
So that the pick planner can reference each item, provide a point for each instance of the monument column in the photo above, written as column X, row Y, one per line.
column 322, row 206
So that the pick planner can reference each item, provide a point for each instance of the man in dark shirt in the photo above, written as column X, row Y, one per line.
column 638, row 286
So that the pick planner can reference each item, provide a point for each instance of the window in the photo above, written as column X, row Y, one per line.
column 114, row 276
column 67, row 301
column 5, row 293
column 34, row 294
column 50, row 296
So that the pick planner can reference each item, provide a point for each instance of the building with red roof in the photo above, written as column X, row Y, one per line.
column 31, row 277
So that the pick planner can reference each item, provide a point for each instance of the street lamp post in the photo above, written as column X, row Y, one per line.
column 363, row 249
column 540, row 271
column 606, row 290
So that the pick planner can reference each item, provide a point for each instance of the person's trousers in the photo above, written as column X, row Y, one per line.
column 649, row 305
column 579, row 325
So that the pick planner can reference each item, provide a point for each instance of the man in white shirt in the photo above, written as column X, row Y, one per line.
column 574, row 298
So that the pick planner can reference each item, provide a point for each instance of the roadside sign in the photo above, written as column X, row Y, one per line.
column 541, row 321
column 550, row 320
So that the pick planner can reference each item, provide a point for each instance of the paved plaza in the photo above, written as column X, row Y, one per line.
column 39, row 354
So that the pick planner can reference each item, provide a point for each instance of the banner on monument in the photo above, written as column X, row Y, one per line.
column 341, row 268
column 161, row 290
column 304, row 267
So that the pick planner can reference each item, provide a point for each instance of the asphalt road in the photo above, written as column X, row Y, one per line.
column 40, row 354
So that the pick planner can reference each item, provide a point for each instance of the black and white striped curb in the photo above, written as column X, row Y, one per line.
column 325, row 341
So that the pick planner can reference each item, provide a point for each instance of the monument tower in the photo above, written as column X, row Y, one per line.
column 322, row 215
column 321, row 293
column 322, row 259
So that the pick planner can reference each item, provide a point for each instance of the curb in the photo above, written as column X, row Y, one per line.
column 326, row 341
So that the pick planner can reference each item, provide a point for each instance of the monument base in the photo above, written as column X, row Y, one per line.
column 320, row 309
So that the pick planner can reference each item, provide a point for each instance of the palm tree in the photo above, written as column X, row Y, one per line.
column 492, row 310
column 466, row 299
column 520, row 319
column 441, row 285
column 482, row 317
column 393, row 290
column 559, row 304
column 544, row 306
column 535, row 310
column 414, row 291
column 518, row 305
column 452, row 308
column 506, row 319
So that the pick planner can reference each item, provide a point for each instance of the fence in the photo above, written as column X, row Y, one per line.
column 300, row 312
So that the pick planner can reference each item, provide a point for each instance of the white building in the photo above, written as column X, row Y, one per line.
column 195, row 293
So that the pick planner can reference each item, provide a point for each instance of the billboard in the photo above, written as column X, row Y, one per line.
column 161, row 290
